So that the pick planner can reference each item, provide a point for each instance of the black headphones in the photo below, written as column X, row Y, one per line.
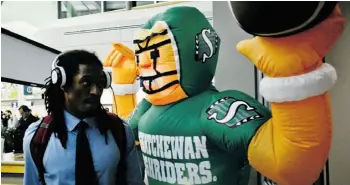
column 58, row 74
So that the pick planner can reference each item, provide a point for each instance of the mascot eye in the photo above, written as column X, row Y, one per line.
column 155, row 54
column 137, row 59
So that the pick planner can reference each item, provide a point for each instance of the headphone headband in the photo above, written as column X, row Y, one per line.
column 58, row 74
column 55, row 61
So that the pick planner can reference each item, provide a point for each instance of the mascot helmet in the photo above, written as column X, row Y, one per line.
column 192, row 43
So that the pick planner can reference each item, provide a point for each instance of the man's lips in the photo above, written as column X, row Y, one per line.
column 92, row 100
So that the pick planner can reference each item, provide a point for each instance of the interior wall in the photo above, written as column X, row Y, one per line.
column 339, row 57
column 36, row 13
column 232, row 66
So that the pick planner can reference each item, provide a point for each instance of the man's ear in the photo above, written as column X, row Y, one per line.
column 64, row 88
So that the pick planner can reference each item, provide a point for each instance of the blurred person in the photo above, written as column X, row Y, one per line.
column 23, row 123
column 4, row 119
column 12, row 119
column 7, row 133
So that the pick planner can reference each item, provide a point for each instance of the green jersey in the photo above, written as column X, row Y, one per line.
column 200, row 140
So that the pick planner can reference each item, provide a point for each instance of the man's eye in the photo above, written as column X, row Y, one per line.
column 86, row 83
column 101, row 84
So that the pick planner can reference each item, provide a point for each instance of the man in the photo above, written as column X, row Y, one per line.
column 26, row 119
column 82, row 148
column 25, row 112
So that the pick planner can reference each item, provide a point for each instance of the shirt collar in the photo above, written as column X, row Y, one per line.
column 72, row 121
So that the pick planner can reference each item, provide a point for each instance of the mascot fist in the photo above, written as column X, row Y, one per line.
column 295, row 54
column 122, row 60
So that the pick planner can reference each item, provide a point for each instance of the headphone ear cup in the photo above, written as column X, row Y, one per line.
column 58, row 76
column 55, row 76
column 108, row 77
column 63, row 75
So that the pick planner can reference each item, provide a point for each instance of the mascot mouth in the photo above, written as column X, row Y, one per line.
column 151, row 79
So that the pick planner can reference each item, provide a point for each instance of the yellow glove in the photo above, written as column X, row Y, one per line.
column 124, row 76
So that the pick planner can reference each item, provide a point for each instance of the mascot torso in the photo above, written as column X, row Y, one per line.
column 184, row 143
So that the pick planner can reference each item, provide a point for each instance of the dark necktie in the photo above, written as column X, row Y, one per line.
column 84, row 168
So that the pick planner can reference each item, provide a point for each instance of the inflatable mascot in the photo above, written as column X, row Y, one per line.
column 190, row 133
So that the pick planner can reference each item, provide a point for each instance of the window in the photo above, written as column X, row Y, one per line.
column 114, row 5
column 141, row 3
column 69, row 9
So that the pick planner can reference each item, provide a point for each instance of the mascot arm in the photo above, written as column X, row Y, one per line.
column 293, row 146
column 136, row 115
column 133, row 121
column 231, row 120
column 124, row 74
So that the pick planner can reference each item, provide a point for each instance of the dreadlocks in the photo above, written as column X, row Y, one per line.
column 54, row 103
column 54, row 95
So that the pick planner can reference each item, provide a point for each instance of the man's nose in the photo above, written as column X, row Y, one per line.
column 96, row 90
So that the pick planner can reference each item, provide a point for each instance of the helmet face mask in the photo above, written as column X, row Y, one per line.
column 156, row 53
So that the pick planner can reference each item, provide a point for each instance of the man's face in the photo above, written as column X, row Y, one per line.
column 24, row 114
column 83, row 96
